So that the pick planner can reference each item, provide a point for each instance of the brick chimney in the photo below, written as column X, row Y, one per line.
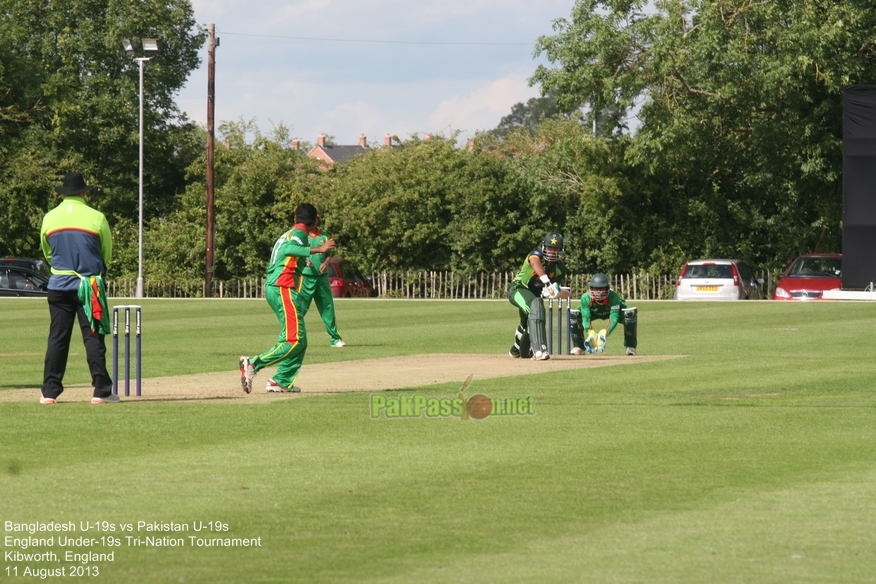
column 362, row 141
column 296, row 144
column 387, row 140
column 320, row 141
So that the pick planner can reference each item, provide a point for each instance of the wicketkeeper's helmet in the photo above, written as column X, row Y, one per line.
column 553, row 246
column 599, row 287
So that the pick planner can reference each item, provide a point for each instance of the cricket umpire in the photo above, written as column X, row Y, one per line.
column 77, row 243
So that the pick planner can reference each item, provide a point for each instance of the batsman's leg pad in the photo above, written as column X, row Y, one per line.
column 525, row 346
column 630, row 324
column 577, row 330
column 537, row 335
column 521, row 343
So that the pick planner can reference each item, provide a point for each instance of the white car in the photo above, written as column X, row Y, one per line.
column 718, row 280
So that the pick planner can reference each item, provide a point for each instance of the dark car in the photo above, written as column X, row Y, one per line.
column 347, row 281
column 809, row 276
column 37, row 265
column 17, row 281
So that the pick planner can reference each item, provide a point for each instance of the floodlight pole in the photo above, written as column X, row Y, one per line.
column 140, row 60
column 150, row 47
column 212, row 43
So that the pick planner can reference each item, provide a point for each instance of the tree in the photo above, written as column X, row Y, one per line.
column 579, row 185
column 258, row 183
column 77, row 101
column 529, row 114
column 740, row 112
column 388, row 206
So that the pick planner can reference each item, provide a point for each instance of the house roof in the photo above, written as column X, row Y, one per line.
column 336, row 153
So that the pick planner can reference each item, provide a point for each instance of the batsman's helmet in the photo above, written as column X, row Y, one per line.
column 599, row 287
column 553, row 246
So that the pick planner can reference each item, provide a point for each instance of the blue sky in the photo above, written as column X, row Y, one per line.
column 268, row 69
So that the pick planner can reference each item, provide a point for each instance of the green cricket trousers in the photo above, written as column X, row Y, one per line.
column 318, row 289
column 288, row 353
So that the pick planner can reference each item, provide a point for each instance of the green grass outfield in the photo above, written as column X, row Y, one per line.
column 751, row 459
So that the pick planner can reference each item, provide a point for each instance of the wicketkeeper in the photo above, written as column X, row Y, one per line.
column 539, row 277
column 602, row 303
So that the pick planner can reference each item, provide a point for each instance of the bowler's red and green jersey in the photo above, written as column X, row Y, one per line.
column 289, row 258
column 317, row 238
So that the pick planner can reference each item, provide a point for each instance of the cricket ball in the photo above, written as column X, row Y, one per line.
column 479, row 406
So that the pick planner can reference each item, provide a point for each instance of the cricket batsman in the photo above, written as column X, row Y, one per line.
column 602, row 303
column 539, row 277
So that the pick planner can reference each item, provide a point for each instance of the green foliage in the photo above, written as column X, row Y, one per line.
column 489, row 210
column 579, row 185
column 388, row 206
column 529, row 114
column 427, row 204
column 69, row 100
column 258, row 182
column 737, row 151
column 740, row 112
column 256, row 203
column 26, row 183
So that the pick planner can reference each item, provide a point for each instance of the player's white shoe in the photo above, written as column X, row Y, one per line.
column 541, row 356
column 631, row 351
column 274, row 387
column 338, row 344
column 577, row 351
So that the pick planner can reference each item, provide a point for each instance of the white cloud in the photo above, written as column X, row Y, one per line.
column 348, row 88
column 483, row 108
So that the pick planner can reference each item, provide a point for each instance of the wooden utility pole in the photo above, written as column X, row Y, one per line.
column 212, row 43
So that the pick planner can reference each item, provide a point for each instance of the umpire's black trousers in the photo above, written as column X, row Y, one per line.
column 64, row 309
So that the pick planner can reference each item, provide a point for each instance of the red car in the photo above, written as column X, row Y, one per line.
column 347, row 281
column 809, row 276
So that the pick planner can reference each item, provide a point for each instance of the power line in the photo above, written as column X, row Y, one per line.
column 330, row 40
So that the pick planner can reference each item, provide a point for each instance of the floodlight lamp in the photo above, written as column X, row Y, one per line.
column 129, row 48
column 150, row 46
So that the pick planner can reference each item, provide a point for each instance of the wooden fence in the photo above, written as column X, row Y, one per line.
column 495, row 285
column 421, row 284
column 247, row 288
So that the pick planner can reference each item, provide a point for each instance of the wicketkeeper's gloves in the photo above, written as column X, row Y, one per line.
column 590, row 342
column 602, row 340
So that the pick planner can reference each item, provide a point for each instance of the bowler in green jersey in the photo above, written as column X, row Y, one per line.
column 315, row 286
column 284, row 279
